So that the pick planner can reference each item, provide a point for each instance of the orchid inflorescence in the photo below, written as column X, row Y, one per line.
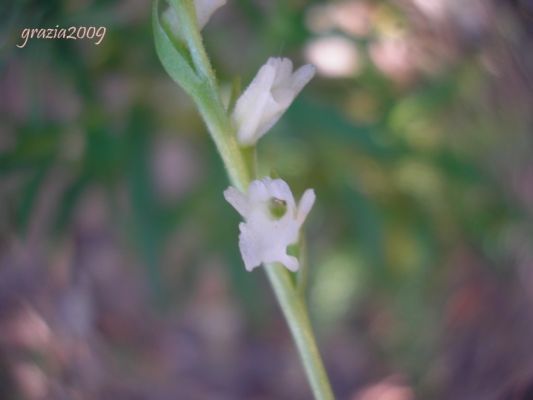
column 264, row 237
column 272, row 217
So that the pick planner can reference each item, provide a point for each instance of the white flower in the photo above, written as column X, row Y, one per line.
column 204, row 10
column 268, row 96
column 272, row 221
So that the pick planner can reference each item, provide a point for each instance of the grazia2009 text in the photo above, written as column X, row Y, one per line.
column 68, row 33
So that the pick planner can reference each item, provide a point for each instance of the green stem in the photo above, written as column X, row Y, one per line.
column 221, row 129
column 237, row 163
column 303, row 272
column 289, row 297
column 295, row 313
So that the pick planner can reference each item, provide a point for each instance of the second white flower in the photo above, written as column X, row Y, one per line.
column 267, row 97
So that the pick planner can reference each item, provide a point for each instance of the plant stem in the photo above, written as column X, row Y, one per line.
column 303, row 272
column 221, row 129
column 289, row 297
column 295, row 313
column 238, row 164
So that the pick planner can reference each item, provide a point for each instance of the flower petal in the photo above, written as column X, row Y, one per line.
column 290, row 262
column 251, row 104
column 205, row 9
column 283, row 71
column 237, row 200
column 258, row 192
column 249, row 246
column 272, row 112
column 301, row 77
column 305, row 205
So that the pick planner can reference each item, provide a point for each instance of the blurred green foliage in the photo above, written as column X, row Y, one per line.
column 404, row 173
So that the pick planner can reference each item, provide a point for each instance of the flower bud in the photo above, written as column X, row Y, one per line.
column 267, row 97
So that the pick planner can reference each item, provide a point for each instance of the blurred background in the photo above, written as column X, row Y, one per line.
column 120, row 275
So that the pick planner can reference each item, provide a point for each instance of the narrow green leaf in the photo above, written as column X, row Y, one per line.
column 173, row 57
column 186, row 11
